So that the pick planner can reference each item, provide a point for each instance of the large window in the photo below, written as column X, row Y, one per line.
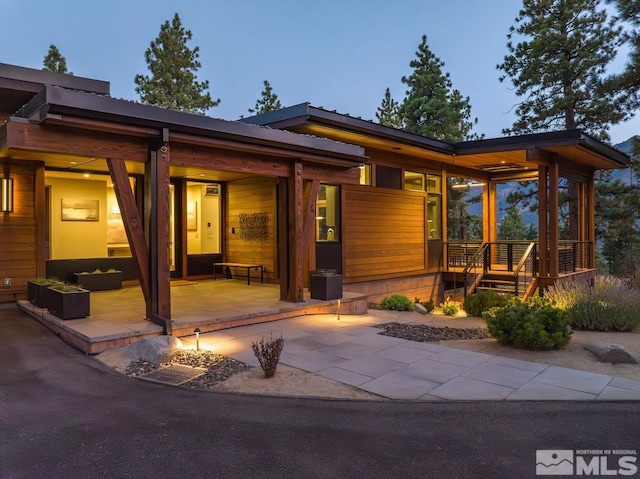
column 328, row 213
column 434, row 206
column 413, row 181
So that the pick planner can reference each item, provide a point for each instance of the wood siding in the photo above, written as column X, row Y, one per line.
column 383, row 233
column 18, row 234
column 255, row 195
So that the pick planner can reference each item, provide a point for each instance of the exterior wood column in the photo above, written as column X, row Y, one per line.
column 490, row 212
column 543, row 222
column 132, row 224
column 553, row 217
column 291, row 233
column 41, row 223
column 591, row 219
column 443, row 217
column 157, row 202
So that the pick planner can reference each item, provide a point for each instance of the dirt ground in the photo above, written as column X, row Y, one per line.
column 290, row 381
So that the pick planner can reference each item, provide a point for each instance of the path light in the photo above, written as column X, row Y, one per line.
column 197, row 331
column 338, row 310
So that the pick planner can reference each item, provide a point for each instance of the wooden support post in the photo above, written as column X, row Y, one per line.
column 132, row 223
column 591, row 220
column 296, row 235
column 543, row 222
column 283, row 236
column 443, row 215
column 158, row 198
column 41, row 223
column 553, row 217
column 310, row 195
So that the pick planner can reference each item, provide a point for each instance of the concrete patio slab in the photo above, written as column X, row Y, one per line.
column 404, row 354
column 611, row 393
column 344, row 376
column 395, row 385
column 547, row 392
column 312, row 361
column 591, row 383
column 370, row 365
column 500, row 374
column 459, row 357
column 433, row 370
column 461, row 389
column 350, row 350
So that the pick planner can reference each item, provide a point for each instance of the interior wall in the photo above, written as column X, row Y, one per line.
column 205, row 239
column 255, row 195
column 77, row 239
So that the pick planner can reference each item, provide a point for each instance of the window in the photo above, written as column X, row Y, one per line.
column 328, row 213
column 388, row 177
column 413, row 181
column 434, row 216
column 434, row 183
column 365, row 174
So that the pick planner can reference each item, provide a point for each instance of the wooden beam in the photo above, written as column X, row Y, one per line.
column 296, row 235
column 158, row 198
column 41, row 222
column 283, row 239
column 310, row 195
column 543, row 222
column 83, row 143
column 553, row 218
column 591, row 218
column 132, row 223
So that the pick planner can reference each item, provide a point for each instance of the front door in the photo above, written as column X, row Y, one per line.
column 328, row 228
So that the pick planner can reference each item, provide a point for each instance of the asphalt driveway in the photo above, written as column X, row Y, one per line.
column 64, row 415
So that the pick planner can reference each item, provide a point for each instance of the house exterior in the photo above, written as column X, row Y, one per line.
column 97, row 182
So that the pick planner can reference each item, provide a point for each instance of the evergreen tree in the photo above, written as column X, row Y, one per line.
column 431, row 107
column 388, row 113
column 267, row 102
column 462, row 225
column 512, row 226
column 173, row 67
column 559, row 67
column 55, row 62
column 629, row 80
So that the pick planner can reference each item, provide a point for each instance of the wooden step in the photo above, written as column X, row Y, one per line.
column 497, row 289
column 498, row 281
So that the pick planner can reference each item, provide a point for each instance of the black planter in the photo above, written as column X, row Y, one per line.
column 99, row 281
column 70, row 304
column 37, row 293
column 325, row 286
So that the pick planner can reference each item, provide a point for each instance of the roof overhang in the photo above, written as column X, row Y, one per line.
column 57, row 105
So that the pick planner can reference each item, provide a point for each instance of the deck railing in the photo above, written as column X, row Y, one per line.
column 525, row 271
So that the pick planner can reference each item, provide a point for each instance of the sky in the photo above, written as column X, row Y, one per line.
column 337, row 54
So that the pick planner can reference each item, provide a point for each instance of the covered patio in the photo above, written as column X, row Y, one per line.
column 117, row 317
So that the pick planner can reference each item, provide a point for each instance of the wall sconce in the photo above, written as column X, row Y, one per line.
column 6, row 194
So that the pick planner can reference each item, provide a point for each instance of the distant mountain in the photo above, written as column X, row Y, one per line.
column 624, row 175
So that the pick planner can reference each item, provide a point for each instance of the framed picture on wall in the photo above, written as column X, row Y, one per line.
column 74, row 209
column 192, row 216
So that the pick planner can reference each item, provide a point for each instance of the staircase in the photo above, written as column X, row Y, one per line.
column 493, row 267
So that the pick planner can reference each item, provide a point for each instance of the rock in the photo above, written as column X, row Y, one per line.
column 420, row 309
column 154, row 349
column 611, row 353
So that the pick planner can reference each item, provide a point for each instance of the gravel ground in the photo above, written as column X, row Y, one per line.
column 219, row 367
column 425, row 333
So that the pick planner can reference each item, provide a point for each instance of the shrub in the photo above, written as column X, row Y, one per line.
column 397, row 302
column 608, row 305
column 268, row 354
column 428, row 305
column 483, row 300
column 535, row 324
column 449, row 309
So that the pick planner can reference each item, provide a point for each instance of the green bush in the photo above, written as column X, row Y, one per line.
column 450, row 309
column 428, row 305
column 535, row 324
column 608, row 305
column 483, row 300
column 397, row 302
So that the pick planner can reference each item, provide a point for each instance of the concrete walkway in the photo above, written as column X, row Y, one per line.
column 352, row 351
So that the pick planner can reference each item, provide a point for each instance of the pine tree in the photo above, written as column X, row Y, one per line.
column 462, row 225
column 267, row 102
column 512, row 226
column 431, row 107
column 173, row 67
column 388, row 113
column 559, row 67
column 55, row 62
column 629, row 80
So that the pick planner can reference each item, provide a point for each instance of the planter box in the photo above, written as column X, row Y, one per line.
column 68, row 305
column 325, row 286
column 37, row 293
column 99, row 281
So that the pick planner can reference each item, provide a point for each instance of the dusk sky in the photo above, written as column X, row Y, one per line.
column 336, row 54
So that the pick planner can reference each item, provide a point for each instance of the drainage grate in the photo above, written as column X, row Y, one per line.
column 174, row 375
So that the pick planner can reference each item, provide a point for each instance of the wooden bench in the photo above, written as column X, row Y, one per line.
column 249, row 267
